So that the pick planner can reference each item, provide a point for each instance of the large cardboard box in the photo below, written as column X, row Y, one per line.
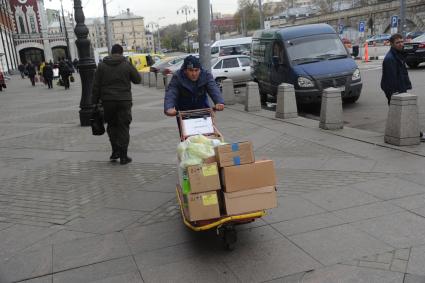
column 200, row 206
column 234, row 154
column 250, row 200
column 249, row 176
column 203, row 178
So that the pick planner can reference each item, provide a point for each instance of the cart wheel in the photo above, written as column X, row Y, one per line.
column 229, row 237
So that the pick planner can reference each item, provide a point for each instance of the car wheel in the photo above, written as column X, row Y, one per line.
column 413, row 65
column 350, row 100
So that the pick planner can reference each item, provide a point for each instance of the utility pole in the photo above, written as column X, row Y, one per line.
column 204, row 33
column 68, row 53
column 107, row 28
column 403, row 17
column 260, row 7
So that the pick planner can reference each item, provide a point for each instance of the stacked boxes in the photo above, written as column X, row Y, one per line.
column 232, row 181
column 198, row 191
column 248, row 185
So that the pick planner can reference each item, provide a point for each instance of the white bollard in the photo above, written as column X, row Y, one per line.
column 159, row 81
column 402, row 126
column 146, row 79
column 228, row 92
column 152, row 79
column 252, row 97
column 331, row 110
column 286, row 103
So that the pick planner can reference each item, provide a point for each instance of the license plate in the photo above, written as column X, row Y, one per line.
column 408, row 47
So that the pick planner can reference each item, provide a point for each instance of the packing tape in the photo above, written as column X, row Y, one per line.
column 235, row 147
column 237, row 160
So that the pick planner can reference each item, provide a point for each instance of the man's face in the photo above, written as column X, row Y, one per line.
column 398, row 44
column 192, row 73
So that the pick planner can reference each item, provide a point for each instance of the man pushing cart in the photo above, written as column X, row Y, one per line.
column 202, row 153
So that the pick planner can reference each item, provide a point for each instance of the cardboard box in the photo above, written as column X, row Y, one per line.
column 249, row 176
column 234, row 154
column 250, row 200
column 201, row 206
column 203, row 178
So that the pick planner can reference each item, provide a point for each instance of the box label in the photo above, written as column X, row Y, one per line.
column 209, row 199
column 209, row 170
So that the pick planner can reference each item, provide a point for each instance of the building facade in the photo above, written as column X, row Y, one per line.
column 150, row 41
column 8, row 56
column 129, row 30
column 36, row 39
column 97, row 32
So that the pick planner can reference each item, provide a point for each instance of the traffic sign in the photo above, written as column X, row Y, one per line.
column 362, row 26
column 394, row 21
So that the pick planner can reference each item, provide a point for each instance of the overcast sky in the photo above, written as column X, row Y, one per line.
column 151, row 10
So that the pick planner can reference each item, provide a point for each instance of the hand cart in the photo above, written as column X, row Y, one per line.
column 225, row 225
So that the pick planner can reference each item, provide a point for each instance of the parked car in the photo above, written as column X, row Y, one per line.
column 415, row 51
column 310, row 57
column 242, row 43
column 176, row 64
column 161, row 64
column 379, row 39
column 412, row 35
column 235, row 67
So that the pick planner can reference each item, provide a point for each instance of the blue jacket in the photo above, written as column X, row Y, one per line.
column 394, row 74
column 183, row 94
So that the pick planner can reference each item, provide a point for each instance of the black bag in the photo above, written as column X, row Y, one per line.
column 71, row 79
column 97, row 121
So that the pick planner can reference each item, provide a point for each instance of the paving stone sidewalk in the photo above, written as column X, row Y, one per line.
column 351, row 209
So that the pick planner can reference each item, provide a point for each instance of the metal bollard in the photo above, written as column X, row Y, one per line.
column 146, row 79
column 402, row 126
column 286, row 103
column 252, row 97
column 159, row 81
column 331, row 110
column 152, row 79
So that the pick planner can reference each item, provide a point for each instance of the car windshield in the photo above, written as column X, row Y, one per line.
column 315, row 48
column 420, row 38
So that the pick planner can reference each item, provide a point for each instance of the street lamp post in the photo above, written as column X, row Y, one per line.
column 86, row 64
column 154, row 25
column 185, row 10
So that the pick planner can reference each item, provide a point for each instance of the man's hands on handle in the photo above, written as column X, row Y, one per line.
column 173, row 111
column 219, row 107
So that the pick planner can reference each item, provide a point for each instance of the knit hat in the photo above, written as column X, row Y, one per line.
column 191, row 62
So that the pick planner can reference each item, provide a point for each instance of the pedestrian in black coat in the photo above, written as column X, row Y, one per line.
column 395, row 78
column 48, row 75
column 64, row 72
column 31, row 70
column 21, row 69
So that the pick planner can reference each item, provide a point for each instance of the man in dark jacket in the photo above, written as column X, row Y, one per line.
column 21, row 69
column 112, row 86
column 31, row 72
column 395, row 78
column 48, row 75
column 64, row 72
column 188, row 89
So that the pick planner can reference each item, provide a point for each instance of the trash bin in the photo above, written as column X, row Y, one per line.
column 355, row 51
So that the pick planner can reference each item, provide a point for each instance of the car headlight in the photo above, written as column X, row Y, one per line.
column 304, row 82
column 356, row 75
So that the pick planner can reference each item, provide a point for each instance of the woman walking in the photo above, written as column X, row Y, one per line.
column 48, row 75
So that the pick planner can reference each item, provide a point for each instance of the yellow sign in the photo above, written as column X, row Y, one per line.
column 209, row 199
column 209, row 170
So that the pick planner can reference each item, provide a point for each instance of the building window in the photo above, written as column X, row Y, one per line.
column 22, row 25
column 32, row 24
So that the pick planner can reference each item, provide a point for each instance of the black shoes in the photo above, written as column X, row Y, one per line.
column 124, row 158
column 114, row 156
